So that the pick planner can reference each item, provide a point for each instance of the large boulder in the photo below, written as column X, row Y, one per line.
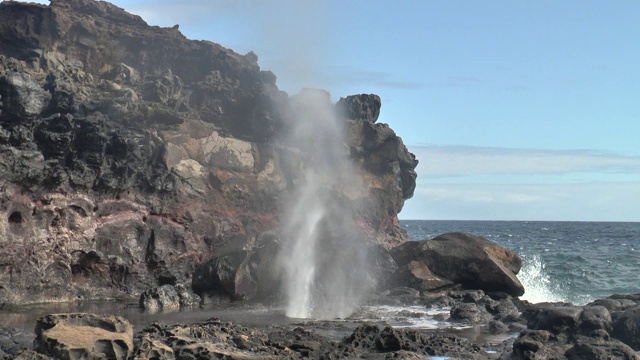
column 471, row 260
column 84, row 336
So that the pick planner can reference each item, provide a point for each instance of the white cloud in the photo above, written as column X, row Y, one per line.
column 454, row 161
column 601, row 201
column 479, row 183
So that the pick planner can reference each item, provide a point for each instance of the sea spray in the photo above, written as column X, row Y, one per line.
column 301, row 236
column 537, row 283
column 323, row 257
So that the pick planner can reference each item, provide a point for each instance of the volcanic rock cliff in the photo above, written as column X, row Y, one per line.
column 130, row 155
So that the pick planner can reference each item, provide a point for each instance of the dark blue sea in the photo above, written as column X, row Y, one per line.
column 562, row 261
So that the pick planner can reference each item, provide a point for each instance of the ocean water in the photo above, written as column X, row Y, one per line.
column 562, row 261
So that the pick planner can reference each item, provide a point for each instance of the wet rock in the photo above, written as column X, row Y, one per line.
column 437, row 302
column 81, row 336
column 504, row 310
column 537, row 345
column 383, row 267
column 369, row 339
column 471, row 260
column 596, row 349
column 469, row 313
column 614, row 304
column 626, row 327
column 468, row 296
column 595, row 318
column 497, row 327
column 556, row 319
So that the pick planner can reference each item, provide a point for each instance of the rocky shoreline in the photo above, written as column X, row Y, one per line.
column 470, row 277
column 604, row 329
column 138, row 164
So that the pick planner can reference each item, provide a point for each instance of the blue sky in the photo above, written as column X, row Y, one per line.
column 517, row 110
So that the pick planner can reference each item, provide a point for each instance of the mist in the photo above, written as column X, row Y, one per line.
column 323, row 257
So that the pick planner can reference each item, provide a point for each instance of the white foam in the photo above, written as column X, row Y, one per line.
column 537, row 283
column 417, row 317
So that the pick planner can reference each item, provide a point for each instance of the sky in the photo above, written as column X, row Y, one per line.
column 517, row 110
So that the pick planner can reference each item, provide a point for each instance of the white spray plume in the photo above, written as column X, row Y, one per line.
column 323, row 256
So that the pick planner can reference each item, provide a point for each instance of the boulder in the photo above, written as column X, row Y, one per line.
column 536, row 345
column 168, row 297
column 471, row 260
column 589, row 348
column 595, row 318
column 469, row 313
column 626, row 327
column 554, row 318
column 363, row 107
column 230, row 274
column 84, row 336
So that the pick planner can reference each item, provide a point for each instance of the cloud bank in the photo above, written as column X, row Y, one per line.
column 482, row 183
column 453, row 161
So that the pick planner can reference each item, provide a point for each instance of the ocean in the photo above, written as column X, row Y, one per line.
column 562, row 261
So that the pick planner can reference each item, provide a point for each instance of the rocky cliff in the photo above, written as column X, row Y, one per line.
column 130, row 155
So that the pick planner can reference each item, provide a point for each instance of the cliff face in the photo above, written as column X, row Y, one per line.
column 130, row 154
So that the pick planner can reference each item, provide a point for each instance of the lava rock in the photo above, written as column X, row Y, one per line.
column 81, row 336
column 470, row 260
column 626, row 327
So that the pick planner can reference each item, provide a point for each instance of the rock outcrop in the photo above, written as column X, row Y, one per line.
column 128, row 151
column 473, row 261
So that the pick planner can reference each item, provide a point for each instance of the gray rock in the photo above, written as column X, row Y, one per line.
column 469, row 313
column 556, row 319
column 164, row 297
column 595, row 318
column 22, row 97
column 626, row 327
column 597, row 349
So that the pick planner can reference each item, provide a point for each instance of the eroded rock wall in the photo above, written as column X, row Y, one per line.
column 128, row 152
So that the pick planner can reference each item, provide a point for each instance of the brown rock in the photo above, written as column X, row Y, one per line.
column 470, row 260
column 84, row 336
column 416, row 274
